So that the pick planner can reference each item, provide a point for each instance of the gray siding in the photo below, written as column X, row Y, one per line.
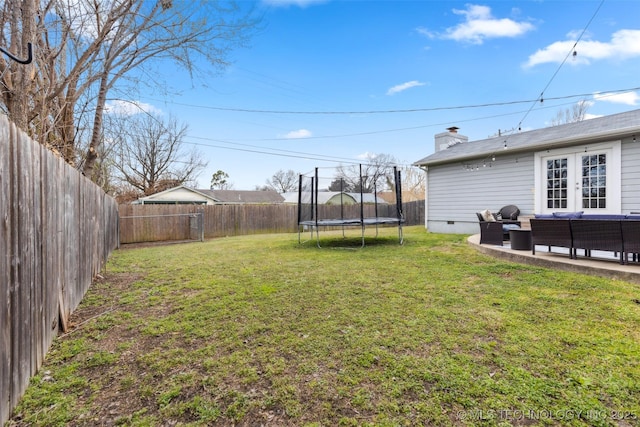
column 630, row 176
column 455, row 194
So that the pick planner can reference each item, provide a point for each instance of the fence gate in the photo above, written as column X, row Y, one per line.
column 196, row 224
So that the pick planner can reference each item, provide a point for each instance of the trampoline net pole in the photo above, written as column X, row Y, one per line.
column 315, row 185
column 299, row 205
column 375, row 205
column 361, row 205
column 398, row 179
column 341, row 199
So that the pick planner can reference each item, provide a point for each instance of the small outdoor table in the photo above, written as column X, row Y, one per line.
column 520, row 239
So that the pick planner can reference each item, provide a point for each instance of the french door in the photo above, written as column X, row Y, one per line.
column 588, row 181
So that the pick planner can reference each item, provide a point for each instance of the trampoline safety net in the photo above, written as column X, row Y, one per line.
column 323, row 209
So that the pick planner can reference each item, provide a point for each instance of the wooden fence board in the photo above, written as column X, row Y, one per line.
column 6, row 227
column 71, row 228
column 56, row 231
column 238, row 219
column 19, row 331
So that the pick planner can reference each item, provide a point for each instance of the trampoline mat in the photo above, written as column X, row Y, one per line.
column 352, row 222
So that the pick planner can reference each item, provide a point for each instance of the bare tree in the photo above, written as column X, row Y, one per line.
column 19, row 29
column 283, row 181
column 86, row 49
column 575, row 113
column 149, row 154
column 414, row 183
column 376, row 173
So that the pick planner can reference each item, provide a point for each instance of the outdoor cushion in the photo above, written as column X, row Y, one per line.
column 544, row 216
column 508, row 227
column 569, row 215
column 603, row 216
column 487, row 215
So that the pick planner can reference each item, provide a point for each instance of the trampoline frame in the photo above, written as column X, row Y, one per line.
column 315, row 223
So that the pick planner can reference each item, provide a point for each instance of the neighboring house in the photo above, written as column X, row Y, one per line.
column 185, row 195
column 591, row 166
column 334, row 198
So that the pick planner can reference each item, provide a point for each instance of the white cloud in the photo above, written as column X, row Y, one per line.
column 480, row 25
column 623, row 44
column 298, row 134
column 404, row 86
column 130, row 108
column 299, row 3
column 626, row 98
column 426, row 32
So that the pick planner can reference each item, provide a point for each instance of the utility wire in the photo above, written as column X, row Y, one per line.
column 300, row 156
column 322, row 157
column 411, row 110
column 571, row 51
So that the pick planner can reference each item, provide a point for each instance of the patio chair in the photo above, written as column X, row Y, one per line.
column 508, row 214
column 493, row 229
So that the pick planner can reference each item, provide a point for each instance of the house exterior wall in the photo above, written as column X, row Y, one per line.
column 457, row 191
column 630, row 175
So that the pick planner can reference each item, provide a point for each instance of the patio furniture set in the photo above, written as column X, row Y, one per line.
column 619, row 234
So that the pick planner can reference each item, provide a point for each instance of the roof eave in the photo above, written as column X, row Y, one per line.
column 552, row 144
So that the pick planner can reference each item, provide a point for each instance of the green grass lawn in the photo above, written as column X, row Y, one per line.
column 262, row 330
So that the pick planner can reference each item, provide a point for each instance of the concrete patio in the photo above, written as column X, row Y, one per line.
column 602, row 264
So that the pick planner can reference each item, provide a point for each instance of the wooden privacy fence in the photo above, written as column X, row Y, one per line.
column 151, row 223
column 56, row 231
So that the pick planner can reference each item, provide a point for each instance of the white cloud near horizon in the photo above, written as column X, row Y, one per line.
column 480, row 25
column 404, row 86
column 626, row 98
column 623, row 44
column 130, row 108
column 298, row 134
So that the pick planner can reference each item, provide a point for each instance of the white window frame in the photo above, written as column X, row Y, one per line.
column 614, row 177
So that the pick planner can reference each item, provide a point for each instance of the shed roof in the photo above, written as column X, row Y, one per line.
column 586, row 131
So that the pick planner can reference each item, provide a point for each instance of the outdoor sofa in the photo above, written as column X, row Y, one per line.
column 619, row 234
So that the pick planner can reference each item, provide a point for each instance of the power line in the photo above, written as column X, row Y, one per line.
column 326, row 158
column 304, row 156
column 382, row 131
column 398, row 111
column 571, row 51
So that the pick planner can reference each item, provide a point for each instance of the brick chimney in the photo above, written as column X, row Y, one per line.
column 449, row 138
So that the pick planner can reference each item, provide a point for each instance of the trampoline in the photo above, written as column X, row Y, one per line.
column 360, row 209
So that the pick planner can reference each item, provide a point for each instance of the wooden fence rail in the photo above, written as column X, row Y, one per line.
column 151, row 223
column 56, row 231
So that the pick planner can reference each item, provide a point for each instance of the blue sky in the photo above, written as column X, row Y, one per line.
column 331, row 82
